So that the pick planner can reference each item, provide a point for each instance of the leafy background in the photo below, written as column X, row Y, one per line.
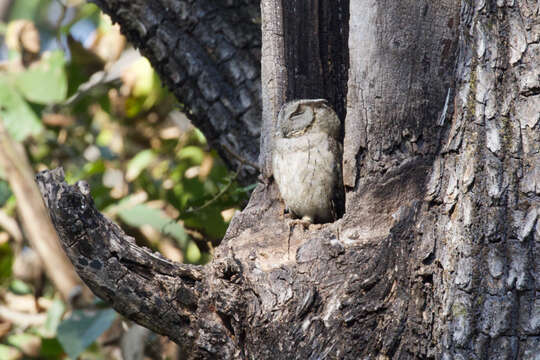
column 75, row 94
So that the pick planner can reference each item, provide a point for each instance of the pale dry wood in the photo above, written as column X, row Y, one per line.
column 35, row 219
column 273, row 77
column 22, row 319
column 10, row 225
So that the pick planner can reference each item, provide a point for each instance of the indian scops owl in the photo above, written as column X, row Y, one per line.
column 306, row 161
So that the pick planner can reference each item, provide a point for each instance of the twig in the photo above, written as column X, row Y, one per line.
column 241, row 159
column 217, row 196
column 58, row 25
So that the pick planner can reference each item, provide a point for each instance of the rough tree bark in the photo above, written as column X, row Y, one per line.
column 436, row 256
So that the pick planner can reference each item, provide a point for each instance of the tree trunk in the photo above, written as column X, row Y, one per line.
column 436, row 256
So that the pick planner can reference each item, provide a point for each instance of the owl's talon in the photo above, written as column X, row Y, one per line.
column 306, row 221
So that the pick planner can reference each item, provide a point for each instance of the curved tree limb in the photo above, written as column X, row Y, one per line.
column 170, row 298
column 208, row 53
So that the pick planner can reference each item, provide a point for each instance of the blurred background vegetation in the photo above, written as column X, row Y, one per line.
column 74, row 94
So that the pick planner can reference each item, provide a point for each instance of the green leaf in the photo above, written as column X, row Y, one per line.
column 199, row 136
column 193, row 254
column 144, row 77
column 87, row 10
column 24, row 10
column 209, row 221
column 193, row 153
column 145, row 215
column 45, row 82
column 19, row 119
column 146, row 91
column 23, row 341
column 82, row 328
column 5, row 192
column 20, row 287
column 51, row 349
column 193, row 192
column 9, row 353
column 6, row 262
column 54, row 315
column 96, row 167
column 139, row 162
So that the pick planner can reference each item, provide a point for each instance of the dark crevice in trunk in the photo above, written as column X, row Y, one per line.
column 316, row 51
column 316, row 35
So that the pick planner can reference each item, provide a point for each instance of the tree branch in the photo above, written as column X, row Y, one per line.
column 208, row 53
column 143, row 286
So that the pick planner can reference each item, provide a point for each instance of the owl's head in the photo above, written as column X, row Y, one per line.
column 307, row 115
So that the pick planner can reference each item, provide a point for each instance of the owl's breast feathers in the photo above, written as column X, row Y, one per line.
column 307, row 170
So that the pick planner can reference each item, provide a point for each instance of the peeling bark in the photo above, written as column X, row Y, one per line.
column 482, row 199
column 436, row 256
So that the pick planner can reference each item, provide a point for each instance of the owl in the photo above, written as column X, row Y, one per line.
column 306, row 160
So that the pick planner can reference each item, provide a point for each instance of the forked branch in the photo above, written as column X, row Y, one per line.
column 143, row 286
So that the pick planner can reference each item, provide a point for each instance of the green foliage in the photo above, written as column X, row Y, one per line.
column 5, row 192
column 193, row 154
column 8, row 353
column 24, row 9
column 144, row 215
column 21, row 341
column 6, row 263
column 51, row 349
column 54, row 316
column 19, row 287
column 139, row 162
column 82, row 328
column 50, row 70
column 193, row 254
column 42, row 84
column 17, row 114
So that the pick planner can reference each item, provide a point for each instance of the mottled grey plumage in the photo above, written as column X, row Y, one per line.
column 306, row 161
